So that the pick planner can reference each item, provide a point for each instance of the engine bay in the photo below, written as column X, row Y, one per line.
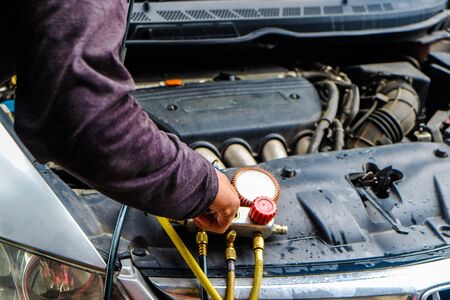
column 241, row 122
column 351, row 147
column 358, row 146
column 358, row 151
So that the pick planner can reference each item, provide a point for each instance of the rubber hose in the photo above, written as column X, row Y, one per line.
column 258, row 247
column 327, row 118
column 393, row 121
column 188, row 258
column 322, row 75
column 356, row 102
column 366, row 115
column 115, row 240
column 231, row 278
column 339, row 135
column 203, row 265
column 347, row 105
column 316, row 75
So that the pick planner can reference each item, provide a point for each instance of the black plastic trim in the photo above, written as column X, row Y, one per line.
column 246, row 24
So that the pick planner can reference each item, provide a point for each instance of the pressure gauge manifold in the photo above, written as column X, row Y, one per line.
column 254, row 182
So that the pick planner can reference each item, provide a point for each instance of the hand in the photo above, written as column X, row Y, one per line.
column 222, row 210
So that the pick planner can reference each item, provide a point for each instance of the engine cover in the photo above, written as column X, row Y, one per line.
column 217, row 111
column 332, row 219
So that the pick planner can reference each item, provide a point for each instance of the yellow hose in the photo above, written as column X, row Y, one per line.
column 188, row 258
column 230, row 285
column 258, row 247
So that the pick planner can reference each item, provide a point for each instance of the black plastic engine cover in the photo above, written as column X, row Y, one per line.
column 250, row 110
column 338, row 218
column 332, row 218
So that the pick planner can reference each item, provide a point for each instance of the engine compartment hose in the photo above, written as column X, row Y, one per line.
column 230, row 258
column 188, row 258
column 356, row 103
column 393, row 121
column 351, row 105
column 202, row 244
column 115, row 240
column 258, row 248
column 365, row 116
column 339, row 135
column 328, row 116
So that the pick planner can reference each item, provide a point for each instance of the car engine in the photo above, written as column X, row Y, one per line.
column 238, row 122
column 358, row 151
column 240, row 116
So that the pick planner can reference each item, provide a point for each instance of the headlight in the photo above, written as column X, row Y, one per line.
column 27, row 276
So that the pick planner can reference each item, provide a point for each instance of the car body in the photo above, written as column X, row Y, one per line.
column 367, row 212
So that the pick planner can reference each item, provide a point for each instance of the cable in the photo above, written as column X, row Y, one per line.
column 258, row 247
column 109, row 277
column 327, row 118
column 188, row 258
column 202, row 243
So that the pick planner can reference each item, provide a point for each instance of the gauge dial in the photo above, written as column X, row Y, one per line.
column 254, row 182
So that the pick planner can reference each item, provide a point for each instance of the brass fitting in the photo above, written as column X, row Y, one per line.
column 258, row 241
column 202, row 242
column 230, row 252
column 279, row 229
column 231, row 236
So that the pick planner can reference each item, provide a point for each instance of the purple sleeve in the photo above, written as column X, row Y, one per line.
column 74, row 108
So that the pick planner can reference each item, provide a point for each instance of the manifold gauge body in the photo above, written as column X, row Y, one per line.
column 255, row 182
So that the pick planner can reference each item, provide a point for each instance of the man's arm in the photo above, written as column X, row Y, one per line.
column 73, row 107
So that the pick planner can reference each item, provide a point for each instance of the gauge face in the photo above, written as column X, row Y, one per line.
column 253, row 182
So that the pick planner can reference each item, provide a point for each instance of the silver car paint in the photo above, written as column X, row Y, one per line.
column 133, row 283
column 32, row 216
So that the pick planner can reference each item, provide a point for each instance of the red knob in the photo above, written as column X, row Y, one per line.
column 263, row 210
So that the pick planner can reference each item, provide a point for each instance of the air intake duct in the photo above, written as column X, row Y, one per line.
column 390, row 123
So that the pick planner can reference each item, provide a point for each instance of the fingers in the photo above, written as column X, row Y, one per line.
column 216, row 222
column 223, row 209
column 209, row 223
